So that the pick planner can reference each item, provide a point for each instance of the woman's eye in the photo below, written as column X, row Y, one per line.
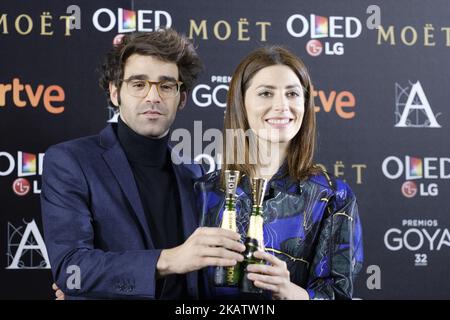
column 293, row 94
column 265, row 94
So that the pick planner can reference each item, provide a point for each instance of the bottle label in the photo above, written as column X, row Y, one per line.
column 255, row 230
column 229, row 220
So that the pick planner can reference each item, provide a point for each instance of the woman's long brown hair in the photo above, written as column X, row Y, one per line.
column 301, row 148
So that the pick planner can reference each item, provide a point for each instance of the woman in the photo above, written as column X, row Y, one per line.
column 312, row 232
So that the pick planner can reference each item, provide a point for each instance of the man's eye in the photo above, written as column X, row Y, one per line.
column 138, row 84
column 167, row 86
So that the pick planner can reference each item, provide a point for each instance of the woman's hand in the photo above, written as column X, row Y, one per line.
column 275, row 277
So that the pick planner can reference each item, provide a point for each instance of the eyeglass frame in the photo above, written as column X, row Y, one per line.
column 156, row 83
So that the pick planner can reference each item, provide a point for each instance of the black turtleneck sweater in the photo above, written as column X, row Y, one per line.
column 150, row 162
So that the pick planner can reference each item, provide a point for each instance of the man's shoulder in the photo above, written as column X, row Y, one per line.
column 77, row 146
column 87, row 145
column 71, row 157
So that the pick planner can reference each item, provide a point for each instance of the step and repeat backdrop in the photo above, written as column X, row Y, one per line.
column 381, row 74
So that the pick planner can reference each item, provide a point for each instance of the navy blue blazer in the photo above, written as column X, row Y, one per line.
column 93, row 219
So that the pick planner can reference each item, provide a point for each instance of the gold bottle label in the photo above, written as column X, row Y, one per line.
column 229, row 220
column 229, row 223
column 255, row 230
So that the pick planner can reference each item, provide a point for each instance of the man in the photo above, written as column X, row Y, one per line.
column 114, row 206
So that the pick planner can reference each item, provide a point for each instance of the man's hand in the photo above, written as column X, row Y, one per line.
column 58, row 293
column 205, row 247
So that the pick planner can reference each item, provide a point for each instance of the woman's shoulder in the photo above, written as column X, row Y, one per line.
column 335, row 186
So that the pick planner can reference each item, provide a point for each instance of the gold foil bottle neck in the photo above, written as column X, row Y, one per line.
column 231, row 182
column 258, row 190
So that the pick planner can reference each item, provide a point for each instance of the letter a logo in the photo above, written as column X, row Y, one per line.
column 415, row 109
column 31, row 251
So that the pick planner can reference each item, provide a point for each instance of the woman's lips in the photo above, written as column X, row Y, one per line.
column 279, row 123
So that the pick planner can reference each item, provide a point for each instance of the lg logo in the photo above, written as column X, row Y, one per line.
column 21, row 186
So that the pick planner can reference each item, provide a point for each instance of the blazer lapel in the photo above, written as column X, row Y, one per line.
column 117, row 161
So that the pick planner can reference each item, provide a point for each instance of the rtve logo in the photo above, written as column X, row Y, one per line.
column 24, row 95
column 343, row 103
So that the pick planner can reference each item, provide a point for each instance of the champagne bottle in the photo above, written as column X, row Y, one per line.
column 255, row 238
column 229, row 276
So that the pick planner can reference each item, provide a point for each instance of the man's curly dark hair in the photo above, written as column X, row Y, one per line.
column 164, row 44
